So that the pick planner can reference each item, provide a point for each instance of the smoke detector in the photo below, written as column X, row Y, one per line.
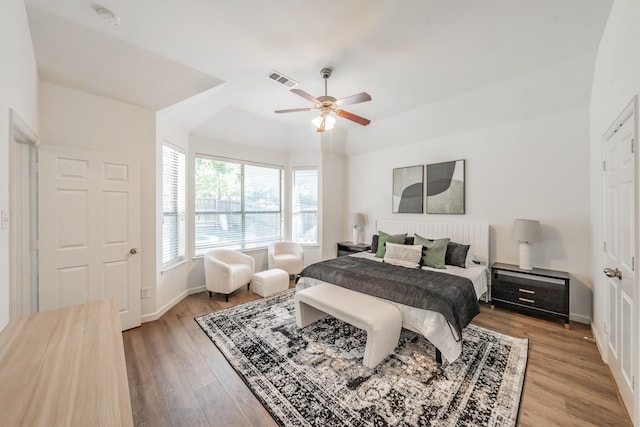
column 108, row 16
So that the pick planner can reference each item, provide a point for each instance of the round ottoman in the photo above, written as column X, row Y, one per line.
column 269, row 282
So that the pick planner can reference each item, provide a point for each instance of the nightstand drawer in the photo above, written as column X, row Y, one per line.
column 547, row 296
column 535, row 292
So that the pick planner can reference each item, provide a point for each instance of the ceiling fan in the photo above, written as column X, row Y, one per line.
column 328, row 104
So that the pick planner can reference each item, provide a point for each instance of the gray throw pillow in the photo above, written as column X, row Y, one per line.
column 374, row 243
column 456, row 254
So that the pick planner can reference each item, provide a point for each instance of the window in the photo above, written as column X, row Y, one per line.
column 237, row 205
column 305, row 206
column 173, row 205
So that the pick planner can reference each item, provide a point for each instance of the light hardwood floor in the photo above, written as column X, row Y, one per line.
column 178, row 377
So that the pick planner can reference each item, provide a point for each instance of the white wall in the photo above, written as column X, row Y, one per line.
column 333, row 190
column 535, row 168
column 616, row 80
column 541, row 92
column 18, row 91
column 79, row 119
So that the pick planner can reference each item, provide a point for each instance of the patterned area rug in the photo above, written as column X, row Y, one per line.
column 314, row 376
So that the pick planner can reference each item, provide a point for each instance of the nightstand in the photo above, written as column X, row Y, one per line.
column 537, row 292
column 348, row 248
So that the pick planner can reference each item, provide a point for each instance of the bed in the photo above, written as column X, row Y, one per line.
column 431, row 324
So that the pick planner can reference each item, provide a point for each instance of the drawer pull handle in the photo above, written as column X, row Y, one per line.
column 527, row 300
column 527, row 291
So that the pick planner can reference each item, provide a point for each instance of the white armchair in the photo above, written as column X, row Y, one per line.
column 226, row 270
column 287, row 256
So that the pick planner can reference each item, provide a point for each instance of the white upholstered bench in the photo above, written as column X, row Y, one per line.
column 381, row 321
column 269, row 282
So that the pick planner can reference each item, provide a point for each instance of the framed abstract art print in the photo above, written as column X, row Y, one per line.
column 445, row 188
column 408, row 189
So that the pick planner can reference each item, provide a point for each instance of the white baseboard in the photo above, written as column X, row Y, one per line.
column 158, row 314
column 580, row 318
column 599, row 341
column 196, row 290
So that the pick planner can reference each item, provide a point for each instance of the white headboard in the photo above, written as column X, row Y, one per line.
column 476, row 235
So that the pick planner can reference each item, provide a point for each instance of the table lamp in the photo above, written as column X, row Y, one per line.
column 357, row 220
column 526, row 231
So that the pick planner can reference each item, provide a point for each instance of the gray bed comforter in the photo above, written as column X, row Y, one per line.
column 452, row 296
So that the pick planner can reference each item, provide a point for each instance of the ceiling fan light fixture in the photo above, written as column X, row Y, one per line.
column 324, row 122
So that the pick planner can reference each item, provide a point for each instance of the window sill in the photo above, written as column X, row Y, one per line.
column 260, row 249
column 244, row 251
column 173, row 266
column 310, row 245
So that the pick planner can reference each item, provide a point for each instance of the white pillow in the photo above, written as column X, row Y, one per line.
column 404, row 255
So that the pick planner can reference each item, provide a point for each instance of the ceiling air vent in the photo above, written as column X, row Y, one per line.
column 282, row 79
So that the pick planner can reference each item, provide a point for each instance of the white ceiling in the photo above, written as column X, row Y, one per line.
column 404, row 53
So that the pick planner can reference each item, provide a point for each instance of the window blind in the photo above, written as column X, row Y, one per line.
column 238, row 205
column 305, row 206
column 173, row 205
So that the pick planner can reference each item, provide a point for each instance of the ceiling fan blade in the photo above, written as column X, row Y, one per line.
column 305, row 95
column 353, row 117
column 295, row 110
column 354, row 99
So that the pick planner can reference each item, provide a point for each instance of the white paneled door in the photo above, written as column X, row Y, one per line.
column 89, row 220
column 620, row 257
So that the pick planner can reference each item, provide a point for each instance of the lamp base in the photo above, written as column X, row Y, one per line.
column 356, row 235
column 525, row 256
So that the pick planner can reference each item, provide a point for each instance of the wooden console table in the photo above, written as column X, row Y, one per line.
column 65, row 367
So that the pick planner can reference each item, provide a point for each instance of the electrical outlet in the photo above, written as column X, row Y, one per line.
column 144, row 293
column 604, row 327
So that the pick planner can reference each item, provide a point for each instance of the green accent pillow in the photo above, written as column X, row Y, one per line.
column 384, row 238
column 436, row 251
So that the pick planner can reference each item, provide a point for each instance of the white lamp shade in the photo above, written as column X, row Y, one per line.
column 330, row 122
column 357, row 219
column 526, row 230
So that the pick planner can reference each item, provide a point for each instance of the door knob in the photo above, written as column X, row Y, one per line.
column 610, row 272
column 133, row 251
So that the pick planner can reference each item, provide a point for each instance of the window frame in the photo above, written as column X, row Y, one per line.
column 294, row 212
column 245, row 245
column 180, row 233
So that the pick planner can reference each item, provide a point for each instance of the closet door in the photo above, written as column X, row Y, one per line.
column 619, row 260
